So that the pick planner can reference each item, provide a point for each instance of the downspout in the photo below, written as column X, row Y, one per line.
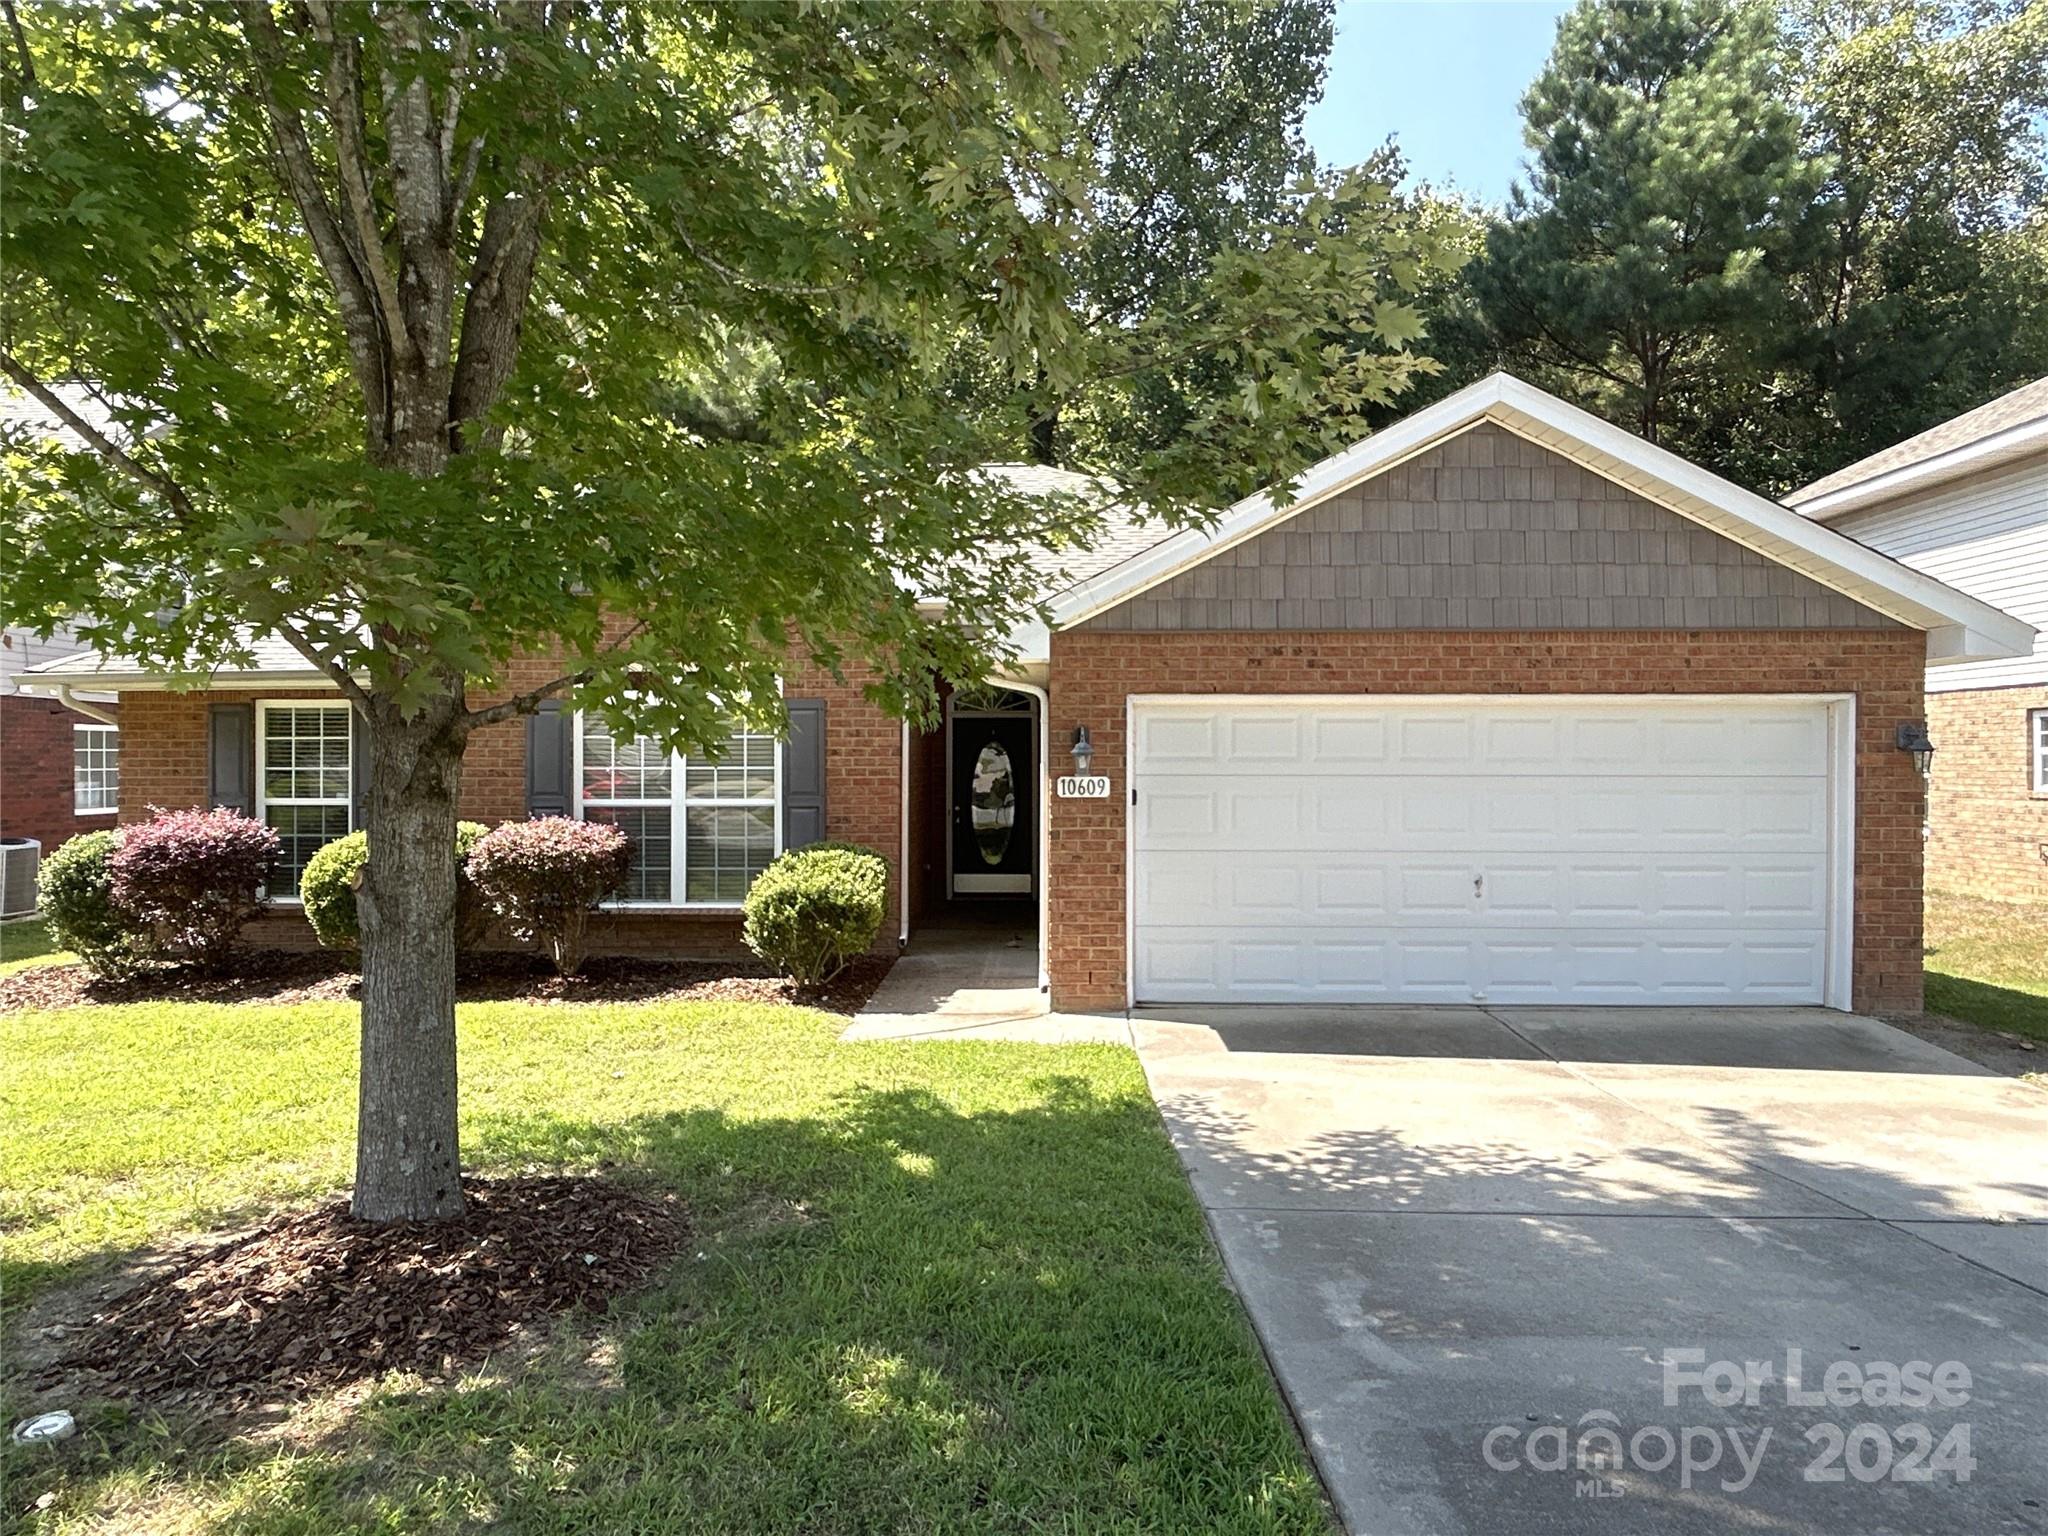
column 903, row 856
column 90, row 711
column 1044, row 818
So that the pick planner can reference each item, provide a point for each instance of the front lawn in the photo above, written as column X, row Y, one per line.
column 26, row 940
column 1987, row 963
column 930, row 1287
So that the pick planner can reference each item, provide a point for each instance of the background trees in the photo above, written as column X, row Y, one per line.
column 1773, row 238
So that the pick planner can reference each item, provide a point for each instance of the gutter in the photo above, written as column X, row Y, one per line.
column 97, row 712
column 2009, row 446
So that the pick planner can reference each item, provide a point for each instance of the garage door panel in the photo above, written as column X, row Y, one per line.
column 1271, row 812
column 1667, row 851
column 1335, row 894
column 1515, row 967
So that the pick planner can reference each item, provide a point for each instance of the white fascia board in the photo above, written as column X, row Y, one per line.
column 2022, row 441
column 1776, row 532
column 1960, row 627
column 162, row 682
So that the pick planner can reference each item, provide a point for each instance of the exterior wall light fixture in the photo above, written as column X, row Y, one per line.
column 1912, row 737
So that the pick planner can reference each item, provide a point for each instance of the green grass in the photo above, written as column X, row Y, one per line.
column 934, row 1288
column 27, row 941
column 1987, row 963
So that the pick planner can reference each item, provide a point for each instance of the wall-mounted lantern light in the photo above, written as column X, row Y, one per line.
column 1083, row 749
column 1912, row 737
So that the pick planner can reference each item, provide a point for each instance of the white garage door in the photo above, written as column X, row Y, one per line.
column 1626, row 851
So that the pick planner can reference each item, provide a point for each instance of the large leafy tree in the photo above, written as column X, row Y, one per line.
column 1914, row 302
column 1668, row 198
column 428, row 337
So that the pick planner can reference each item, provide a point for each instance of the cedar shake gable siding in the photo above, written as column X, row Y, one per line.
column 1487, row 531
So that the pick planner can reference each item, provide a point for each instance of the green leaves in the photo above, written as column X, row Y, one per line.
column 730, row 422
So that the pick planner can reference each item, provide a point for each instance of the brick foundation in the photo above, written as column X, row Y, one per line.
column 1094, row 672
column 1987, row 827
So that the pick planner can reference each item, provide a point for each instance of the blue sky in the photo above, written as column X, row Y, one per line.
column 1443, row 77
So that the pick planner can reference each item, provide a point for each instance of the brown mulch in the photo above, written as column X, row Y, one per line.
column 283, row 977
column 318, row 1299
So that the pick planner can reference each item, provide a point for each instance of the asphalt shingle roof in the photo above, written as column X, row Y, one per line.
column 2023, row 405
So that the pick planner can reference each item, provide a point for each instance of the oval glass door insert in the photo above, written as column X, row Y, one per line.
column 995, row 803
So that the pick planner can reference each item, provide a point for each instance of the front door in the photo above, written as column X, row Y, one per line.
column 995, row 815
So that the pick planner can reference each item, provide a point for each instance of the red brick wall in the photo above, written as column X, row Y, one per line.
column 35, row 772
column 163, row 748
column 1092, row 673
column 1987, row 828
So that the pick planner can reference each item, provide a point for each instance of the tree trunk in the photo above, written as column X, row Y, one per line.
column 408, row 1165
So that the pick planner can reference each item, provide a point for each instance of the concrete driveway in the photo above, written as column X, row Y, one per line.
column 1472, row 1241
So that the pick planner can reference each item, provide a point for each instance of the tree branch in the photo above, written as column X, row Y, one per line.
column 353, row 690
column 351, row 160
column 93, row 438
column 529, row 702
column 359, row 316
column 28, row 63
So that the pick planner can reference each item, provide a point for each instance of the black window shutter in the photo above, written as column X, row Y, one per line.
column 803, row 774
column 231, row 757
column 548, row 759
column 359, row 767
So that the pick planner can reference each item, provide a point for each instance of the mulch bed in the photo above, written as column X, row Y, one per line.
column 315, row 1300
column 278, row 976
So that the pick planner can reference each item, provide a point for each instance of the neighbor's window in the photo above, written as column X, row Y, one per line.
column 703, row 827
column 95, row 769
column 2037, row 739
column 303, row 785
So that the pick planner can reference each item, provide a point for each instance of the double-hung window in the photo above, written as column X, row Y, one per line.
column 95, row 769
column 2037, row 745
column 303, row 782
column 701, row 828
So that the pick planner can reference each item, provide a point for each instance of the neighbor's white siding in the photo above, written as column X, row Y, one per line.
column 1987, row 535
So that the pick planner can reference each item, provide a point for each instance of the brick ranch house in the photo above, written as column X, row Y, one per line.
column 1507, row 704
column 1967, row 502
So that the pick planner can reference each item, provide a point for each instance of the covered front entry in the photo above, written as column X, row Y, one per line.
column 1497, row 850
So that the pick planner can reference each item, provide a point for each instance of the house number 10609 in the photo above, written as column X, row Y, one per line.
column 1082, row 786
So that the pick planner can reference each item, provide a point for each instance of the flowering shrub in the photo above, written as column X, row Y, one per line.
column 328, row 889
column 546, row 877
column 815, row 908
column 192, row 878
column 75, row 892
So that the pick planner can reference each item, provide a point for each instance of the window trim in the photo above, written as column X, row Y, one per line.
column 2037, row 749
column 680, row 804
column 264, row 801
column 99, row 728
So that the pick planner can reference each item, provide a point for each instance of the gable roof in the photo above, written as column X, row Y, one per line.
column 2013, row 426
column 1958, row 627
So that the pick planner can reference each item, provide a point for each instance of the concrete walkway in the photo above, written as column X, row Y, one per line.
column 974, row 983
column 1456, row 1228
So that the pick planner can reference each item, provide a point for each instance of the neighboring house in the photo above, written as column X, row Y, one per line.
column 1505, row 706
column 1967, row 502
column 60, row 768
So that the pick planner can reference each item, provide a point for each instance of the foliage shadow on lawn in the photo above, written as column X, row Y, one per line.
column 896, row 1317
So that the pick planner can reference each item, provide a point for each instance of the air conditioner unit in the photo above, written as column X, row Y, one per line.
column 19, row 857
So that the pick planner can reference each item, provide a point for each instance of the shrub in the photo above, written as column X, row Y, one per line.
column 546, row 877
column 328, row 889
column 192, row 877
column 815, row 908
column 75, row 890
